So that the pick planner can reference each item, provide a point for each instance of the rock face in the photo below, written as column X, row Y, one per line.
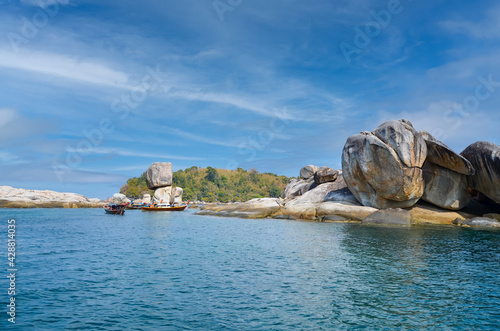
column 296, row 188
column 485, row 158
column 440, row 154
column 159, row 174
column 308, row 171
column 20, row 198
column 325, row 175
column 383, row 168
column 389, row 217
column 445, row 175
column 445, row 188
column 163, row 194
column 178, row 195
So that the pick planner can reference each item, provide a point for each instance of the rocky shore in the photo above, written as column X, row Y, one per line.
column 393, row 175
column 21, row 198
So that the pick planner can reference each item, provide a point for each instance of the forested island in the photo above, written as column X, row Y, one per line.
column 215, row 185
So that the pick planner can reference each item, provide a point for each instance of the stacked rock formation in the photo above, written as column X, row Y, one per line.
column 159, row 178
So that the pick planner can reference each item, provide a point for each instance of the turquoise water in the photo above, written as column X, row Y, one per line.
column 82, row 269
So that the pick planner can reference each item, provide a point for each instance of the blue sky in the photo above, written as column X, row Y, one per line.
column 93, row 92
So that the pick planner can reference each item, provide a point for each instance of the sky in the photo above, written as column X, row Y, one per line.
column 93, row 92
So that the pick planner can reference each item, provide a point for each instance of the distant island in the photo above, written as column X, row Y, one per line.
column 215, row 185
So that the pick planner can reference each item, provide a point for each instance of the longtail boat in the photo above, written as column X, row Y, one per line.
column 164, row 207
column 115, row 209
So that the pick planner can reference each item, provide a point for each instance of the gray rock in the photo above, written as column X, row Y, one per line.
column 485, row 158
column 163, row 195
column 255, row 208
column 333, row 218
column 308, row 171
column 119, row 198
column 383, row 169
column 445, row 188
column 440, row 154
column 297, row 187
column 177, row 195
column 389, row 217
column 482, row 222
column 325, row 175
column 159, row 174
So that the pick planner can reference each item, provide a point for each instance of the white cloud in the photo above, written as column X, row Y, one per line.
column 122, row 152
column 66, row 67
column 488, row 28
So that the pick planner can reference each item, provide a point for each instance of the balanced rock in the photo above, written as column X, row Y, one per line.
column 325, row 175
column 485, row 158
column 383, row 168
column 445, row 175
column 308, row 171
column 159, row 174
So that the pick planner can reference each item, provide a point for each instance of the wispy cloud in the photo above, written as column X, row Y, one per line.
column 123, row 152
column 61, row 66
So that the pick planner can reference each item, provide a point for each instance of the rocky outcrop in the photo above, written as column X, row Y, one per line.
column 308, row 171
column 159, row 174
column 119, row 198
column 256, row 208
column 485, row 158
column 325, row 175
column 21, row 198
column 389, row 217
column 383, row 168
column 479, row 222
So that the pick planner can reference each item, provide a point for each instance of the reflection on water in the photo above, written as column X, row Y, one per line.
column 84, row 269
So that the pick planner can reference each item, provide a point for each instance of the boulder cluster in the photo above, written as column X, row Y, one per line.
column 159, row 178
column 394, row 166
column 385, row 174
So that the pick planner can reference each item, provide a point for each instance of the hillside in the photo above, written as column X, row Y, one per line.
column 216, row 185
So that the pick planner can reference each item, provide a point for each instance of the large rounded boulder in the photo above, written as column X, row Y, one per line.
column 383, row 169
column 159, row 174
column 485, row 158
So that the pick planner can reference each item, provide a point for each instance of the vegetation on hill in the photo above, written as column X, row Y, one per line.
column 216, row 185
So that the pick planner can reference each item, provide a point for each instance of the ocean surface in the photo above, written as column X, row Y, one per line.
column 83, row 269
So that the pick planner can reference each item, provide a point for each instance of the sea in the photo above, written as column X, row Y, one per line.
column 84, row 269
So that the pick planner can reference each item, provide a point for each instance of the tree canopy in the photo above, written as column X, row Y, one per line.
column 216, row 185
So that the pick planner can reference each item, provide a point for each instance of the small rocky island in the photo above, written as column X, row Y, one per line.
column 392, row 175
column 21, row 198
